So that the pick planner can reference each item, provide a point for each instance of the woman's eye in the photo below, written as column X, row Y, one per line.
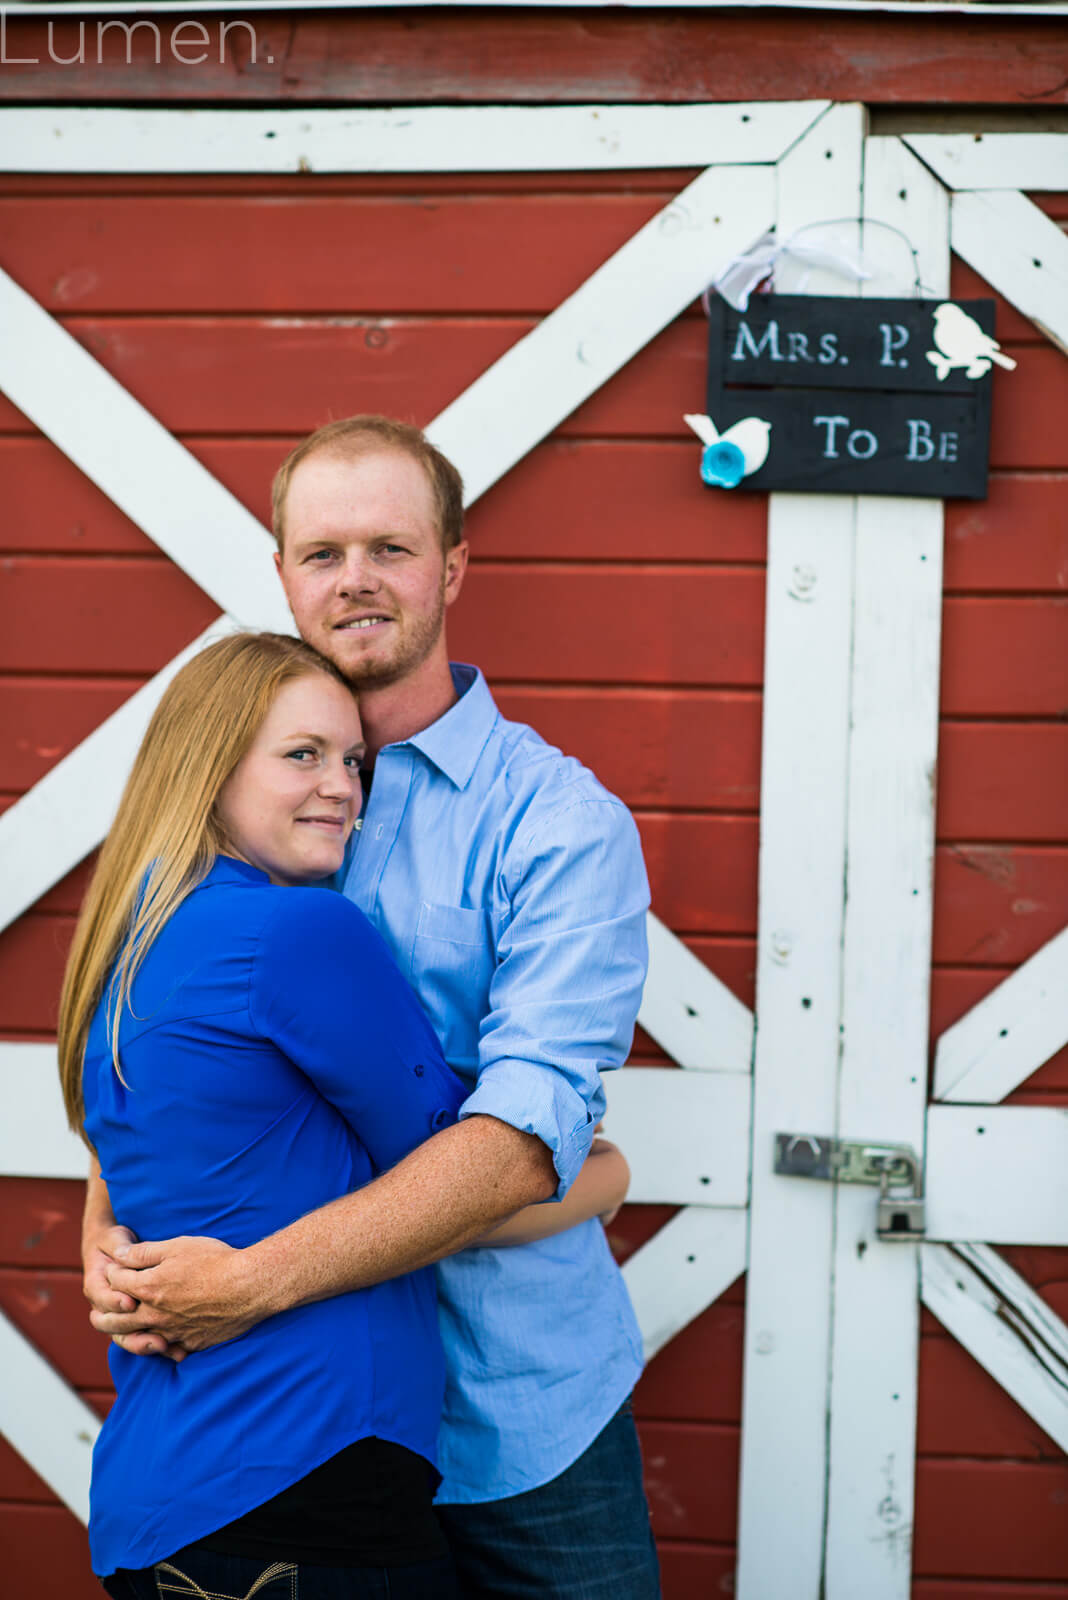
column 298, row 755
column 353, row 763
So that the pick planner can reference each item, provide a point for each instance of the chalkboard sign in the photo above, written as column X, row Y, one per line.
column 861, row 396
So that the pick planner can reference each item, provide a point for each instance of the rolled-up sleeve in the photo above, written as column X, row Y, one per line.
column 570, row 964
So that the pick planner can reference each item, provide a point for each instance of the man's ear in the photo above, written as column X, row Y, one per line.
column 455, row 568
column 278, row 562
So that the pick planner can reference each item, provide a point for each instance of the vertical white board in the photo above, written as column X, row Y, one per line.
column 882, row 1087
column 802, row 864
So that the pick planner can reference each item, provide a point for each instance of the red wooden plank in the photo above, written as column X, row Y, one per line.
column 658, row 625
column 695, row 1571
column 1004, row 657
column 976, row 1589
column 41, row 720
column 963, row 1412
column 698, row 1376
column 33, row 953
column 457, row 253
column 693, row 748
column 48, row 1307
column 558, row 57
column 40, row 1222
column 995, row 905
column 568, row 499
column 1026, row 416
column 702, row 871
column 988, row 1519
column 691, row 1479
column 1015, row 539
column 288, row 374
column 606, row 500
column 1002, row 781
column 46, row 1553
column 112, row 615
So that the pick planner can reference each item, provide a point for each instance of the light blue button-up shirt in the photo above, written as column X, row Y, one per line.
column 510, row 887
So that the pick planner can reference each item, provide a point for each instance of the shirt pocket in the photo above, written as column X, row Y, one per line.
column 452, row 966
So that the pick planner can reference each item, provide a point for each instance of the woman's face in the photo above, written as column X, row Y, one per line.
column 289, row 804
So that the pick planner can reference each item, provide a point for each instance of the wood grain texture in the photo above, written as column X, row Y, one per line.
column 286, row 375
column 561, row 57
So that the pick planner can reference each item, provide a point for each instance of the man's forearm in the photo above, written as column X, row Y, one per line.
column 198, row 1292
column 436, row 1201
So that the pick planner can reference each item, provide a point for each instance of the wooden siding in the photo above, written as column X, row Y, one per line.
column 614, row 604
column 554, row 56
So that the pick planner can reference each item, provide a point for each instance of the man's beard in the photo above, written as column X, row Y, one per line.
column 411, row 652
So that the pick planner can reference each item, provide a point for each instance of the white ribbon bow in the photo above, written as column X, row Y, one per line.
column 743, row 273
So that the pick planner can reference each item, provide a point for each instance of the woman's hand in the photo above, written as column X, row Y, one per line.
column 187, row 1294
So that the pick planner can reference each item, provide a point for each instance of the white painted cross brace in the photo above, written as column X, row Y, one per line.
column 492, row 425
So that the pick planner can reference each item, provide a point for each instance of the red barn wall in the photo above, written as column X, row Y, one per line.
column 612, row 602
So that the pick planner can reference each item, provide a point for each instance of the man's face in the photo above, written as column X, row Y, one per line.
column 363, row 567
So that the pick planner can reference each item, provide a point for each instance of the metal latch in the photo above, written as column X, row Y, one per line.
column 886, row 1166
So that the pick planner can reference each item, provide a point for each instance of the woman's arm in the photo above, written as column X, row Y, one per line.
column 598, row 1191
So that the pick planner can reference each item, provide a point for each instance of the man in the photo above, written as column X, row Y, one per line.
column 510, row 888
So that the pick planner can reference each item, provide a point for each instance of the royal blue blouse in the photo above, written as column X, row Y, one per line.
column 275, row 1059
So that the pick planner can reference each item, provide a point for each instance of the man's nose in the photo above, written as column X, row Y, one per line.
column 357, row 574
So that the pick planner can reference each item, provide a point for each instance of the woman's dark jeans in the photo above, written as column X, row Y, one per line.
column 204, row 1575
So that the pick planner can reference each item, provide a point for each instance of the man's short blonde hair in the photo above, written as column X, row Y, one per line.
column 353, row 437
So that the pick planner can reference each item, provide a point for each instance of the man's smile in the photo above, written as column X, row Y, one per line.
column 353, row 623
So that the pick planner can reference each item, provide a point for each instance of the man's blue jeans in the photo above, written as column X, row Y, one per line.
column 583, row 1536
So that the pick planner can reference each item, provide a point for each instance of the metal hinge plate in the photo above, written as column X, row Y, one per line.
column 883, row 1166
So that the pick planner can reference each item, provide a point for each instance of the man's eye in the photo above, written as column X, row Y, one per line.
column 394, row 549
column 321, row 555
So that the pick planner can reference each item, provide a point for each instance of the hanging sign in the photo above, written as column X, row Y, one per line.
column 837, row 395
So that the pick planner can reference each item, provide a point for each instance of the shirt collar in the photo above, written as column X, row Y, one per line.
column 456, row 740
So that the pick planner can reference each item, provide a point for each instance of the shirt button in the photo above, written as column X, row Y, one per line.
column 419, row 1071
column 440, row 1119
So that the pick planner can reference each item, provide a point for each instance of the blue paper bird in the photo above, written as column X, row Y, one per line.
column 731, row 456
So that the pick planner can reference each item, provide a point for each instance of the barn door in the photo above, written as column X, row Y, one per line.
column 850, row 698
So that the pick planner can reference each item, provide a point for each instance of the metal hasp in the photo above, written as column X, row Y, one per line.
column 885, row 1166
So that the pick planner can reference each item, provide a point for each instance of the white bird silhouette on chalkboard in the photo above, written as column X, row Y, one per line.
column 962, row 343
column 733, row 455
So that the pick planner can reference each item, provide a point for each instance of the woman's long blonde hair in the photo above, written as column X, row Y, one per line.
column 166, row 827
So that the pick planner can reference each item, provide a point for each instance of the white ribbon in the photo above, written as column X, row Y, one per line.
column 743, row 273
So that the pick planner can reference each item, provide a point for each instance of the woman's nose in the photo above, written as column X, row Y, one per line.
column 338, row 782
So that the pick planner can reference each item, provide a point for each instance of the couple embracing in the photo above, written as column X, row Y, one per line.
column 287, row 1139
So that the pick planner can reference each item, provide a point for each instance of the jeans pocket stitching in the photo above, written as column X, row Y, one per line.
column 277, row 1569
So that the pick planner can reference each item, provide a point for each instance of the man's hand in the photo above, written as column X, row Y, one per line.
column 183, row 1294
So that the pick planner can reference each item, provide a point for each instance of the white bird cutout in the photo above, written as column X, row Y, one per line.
column 734, row 454
column 962, row 343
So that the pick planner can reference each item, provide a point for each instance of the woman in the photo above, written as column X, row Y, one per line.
column 238, row 1049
